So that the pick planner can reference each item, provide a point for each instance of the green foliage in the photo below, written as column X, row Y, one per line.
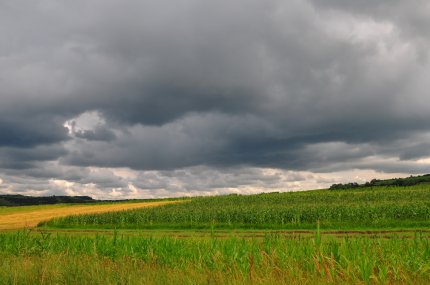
column 354, row 208
column 409, row 181
column 21, row 200
column 27, row 258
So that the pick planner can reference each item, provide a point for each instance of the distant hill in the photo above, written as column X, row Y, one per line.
column 408, row 181
column 21, row 200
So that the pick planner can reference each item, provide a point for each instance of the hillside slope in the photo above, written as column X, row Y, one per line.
column 374, row 207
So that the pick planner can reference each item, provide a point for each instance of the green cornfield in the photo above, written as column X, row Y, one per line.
column 379, row 207
column 377, row 235
column 42, row 258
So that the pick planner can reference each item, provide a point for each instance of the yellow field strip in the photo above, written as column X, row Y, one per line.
column 32, row 218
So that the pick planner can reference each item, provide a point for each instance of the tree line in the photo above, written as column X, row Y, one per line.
column 408, row 181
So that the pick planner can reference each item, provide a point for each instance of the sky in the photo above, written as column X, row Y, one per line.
column 145, row 99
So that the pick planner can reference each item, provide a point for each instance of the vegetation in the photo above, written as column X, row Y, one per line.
column 381, row 207
column 30, row 216
column 101, row 252
column 122, row 259
column 21, row 200
column 5, row 210
column 409, row 181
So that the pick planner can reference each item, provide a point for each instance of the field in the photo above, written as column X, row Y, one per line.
column 379, row 207
column 30, row 216
column 377, row 235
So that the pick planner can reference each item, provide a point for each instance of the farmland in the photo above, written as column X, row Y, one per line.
column 378, row 235
column 126, row 259
column 379, row 207
column 30, row 216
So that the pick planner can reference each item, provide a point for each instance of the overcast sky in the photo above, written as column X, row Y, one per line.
column 140, row 99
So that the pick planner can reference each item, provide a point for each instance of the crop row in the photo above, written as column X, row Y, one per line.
column 345, row 260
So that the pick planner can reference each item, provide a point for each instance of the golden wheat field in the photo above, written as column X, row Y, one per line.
column 36, row 214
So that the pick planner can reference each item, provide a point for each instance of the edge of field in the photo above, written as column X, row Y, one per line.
column 402, row 233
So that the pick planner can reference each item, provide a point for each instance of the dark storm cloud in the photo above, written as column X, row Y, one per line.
column 205, row 178
column 24, row 158
column 285, row 84
column 195, row 140
column 28, row 132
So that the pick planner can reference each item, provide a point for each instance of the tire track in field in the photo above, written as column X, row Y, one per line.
column 30, row 219
column 248, row 234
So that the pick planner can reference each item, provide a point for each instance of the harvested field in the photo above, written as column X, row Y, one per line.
column 30, row 218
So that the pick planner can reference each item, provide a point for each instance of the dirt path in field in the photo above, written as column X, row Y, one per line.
column 223, row 234
column 31, row 218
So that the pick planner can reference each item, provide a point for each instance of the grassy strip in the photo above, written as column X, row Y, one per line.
column 27, row 259
column 240, row 233
column 382, row 225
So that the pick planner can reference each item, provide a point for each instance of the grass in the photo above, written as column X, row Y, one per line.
column 363, row 208
column 272, row 259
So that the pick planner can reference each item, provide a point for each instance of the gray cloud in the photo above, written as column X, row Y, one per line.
column 202, row 180
column 98, row 134
column 23, row 158
column 295, row 85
